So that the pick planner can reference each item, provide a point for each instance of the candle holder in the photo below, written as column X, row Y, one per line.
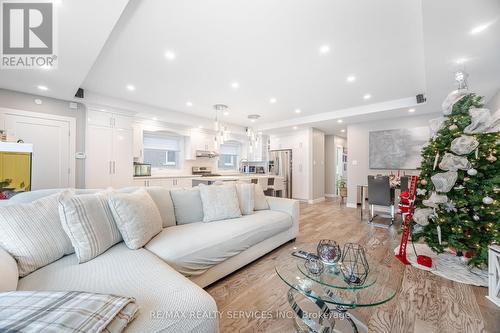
column 329, row 251
column 314, row 265
column 354, row 265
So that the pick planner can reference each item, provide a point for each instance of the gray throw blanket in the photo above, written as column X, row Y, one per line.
column 72, row 311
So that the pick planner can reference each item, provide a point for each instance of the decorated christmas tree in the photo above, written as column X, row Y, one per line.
column 458, row 191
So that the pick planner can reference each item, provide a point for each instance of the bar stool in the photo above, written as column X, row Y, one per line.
column 276, row 185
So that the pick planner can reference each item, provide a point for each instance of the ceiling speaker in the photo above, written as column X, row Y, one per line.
column 421, row 98
column 80, row 93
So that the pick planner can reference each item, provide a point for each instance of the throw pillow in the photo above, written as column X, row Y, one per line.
column 32, row 234
column 260, row 199
column 88, row 221
column 136, row 216
column 220, row 202
column 246, row 198
column 187, row 205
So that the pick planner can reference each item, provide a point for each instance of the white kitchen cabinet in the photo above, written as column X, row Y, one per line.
column 199, row 141
column 138, row 143
column 109, row 144
column 169, row 183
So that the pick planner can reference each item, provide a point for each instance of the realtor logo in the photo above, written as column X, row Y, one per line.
column 27, row 35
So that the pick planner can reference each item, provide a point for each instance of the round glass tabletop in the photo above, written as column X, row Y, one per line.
column 330, row 285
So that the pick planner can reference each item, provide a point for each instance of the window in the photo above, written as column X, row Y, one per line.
column 162, row 151
column 229, row 156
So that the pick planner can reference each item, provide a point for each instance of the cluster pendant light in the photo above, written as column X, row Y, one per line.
column 222, row 133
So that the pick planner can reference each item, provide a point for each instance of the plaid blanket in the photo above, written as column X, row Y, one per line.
column 48, row 311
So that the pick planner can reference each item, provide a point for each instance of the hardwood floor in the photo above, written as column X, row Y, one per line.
column 424, row 302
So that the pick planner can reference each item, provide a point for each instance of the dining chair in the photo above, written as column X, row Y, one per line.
column 380, row 194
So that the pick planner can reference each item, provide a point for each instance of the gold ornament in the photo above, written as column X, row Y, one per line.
column 423, row 182
column 453, row 127
column 491, row 158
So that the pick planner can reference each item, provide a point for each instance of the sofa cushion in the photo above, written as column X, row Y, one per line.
column 193, row 248
column 162, row 199
column 187, row 205
column 220, row 202
column 157, row 288
column 32, row 233
column 89, row 223
column 9, row 273
column 136, row 216
column 246, row 193
column 260, row 201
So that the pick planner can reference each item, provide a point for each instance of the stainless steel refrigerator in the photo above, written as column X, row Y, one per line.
column 280, row 164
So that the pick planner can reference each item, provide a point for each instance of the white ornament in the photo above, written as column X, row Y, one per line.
column 472, row 172
column 491, row 158
column 421, row 191
column 487, row 200
column 459, row 187
column 452, row 162
column 439, row 234
column 476, row 218
column 451, row 99
column 464, row 145
column 436, row 159
column 444, row 181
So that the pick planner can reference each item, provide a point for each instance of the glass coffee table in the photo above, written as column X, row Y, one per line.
column 321, row 301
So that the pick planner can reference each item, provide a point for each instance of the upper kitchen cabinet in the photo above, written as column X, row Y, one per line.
column 199, row 141
column 109, row 148
column 138, row 143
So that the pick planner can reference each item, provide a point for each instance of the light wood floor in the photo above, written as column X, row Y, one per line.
column 424, row 302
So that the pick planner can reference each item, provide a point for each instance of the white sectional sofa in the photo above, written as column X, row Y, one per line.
column 166, row 276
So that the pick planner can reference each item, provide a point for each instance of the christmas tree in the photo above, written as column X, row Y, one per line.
column 458, row 191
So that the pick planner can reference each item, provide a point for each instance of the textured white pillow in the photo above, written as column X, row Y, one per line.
column 89, row 223
column 220, row 202
column 32, row 234
column 246, row 197
column 260, row 201
column 136, row 216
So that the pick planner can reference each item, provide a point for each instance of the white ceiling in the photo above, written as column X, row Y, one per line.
column 83, row 27
column 396, row 49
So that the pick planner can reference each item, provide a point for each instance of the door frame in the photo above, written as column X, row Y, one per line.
column 48, row 116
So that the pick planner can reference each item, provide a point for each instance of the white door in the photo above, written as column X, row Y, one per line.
column 98, row 165
column 51, row 163
column 123, row 161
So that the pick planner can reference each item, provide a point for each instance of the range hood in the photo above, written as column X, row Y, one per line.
column 207, row 154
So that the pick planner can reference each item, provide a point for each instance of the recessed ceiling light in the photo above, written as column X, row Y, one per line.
column 343, row 131
column 235, row 85
column 295, row 127
column 340, row 121
column 479, row 29
column 411, row 110
column 324, row 49
column 367, row 96
column 200, row 126
column 154, row 118
column 44, row 88
column 170, row 55
column 130, row 87
column 252, row 120
column 189, row 104
column 351, row 78
column 460, row 61
column 272, row 100
column 253, row 117
column 297, row 111
column 226, row 113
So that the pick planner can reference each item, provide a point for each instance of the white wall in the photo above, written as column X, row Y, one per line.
column 331, row 144
column 358, row 152
column 21, row 101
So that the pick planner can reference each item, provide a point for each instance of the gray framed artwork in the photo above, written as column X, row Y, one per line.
column 397, row 148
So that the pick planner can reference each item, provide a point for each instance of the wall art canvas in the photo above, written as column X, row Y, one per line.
column 397, row 148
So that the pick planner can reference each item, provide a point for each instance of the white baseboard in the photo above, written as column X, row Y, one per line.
column 317, row 200
column 351, row 205
column 331, row 195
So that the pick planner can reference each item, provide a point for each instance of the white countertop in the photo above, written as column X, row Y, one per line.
column 222, row 177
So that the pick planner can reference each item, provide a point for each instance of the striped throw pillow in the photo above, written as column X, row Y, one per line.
column 89, row 223
column 32, row 234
